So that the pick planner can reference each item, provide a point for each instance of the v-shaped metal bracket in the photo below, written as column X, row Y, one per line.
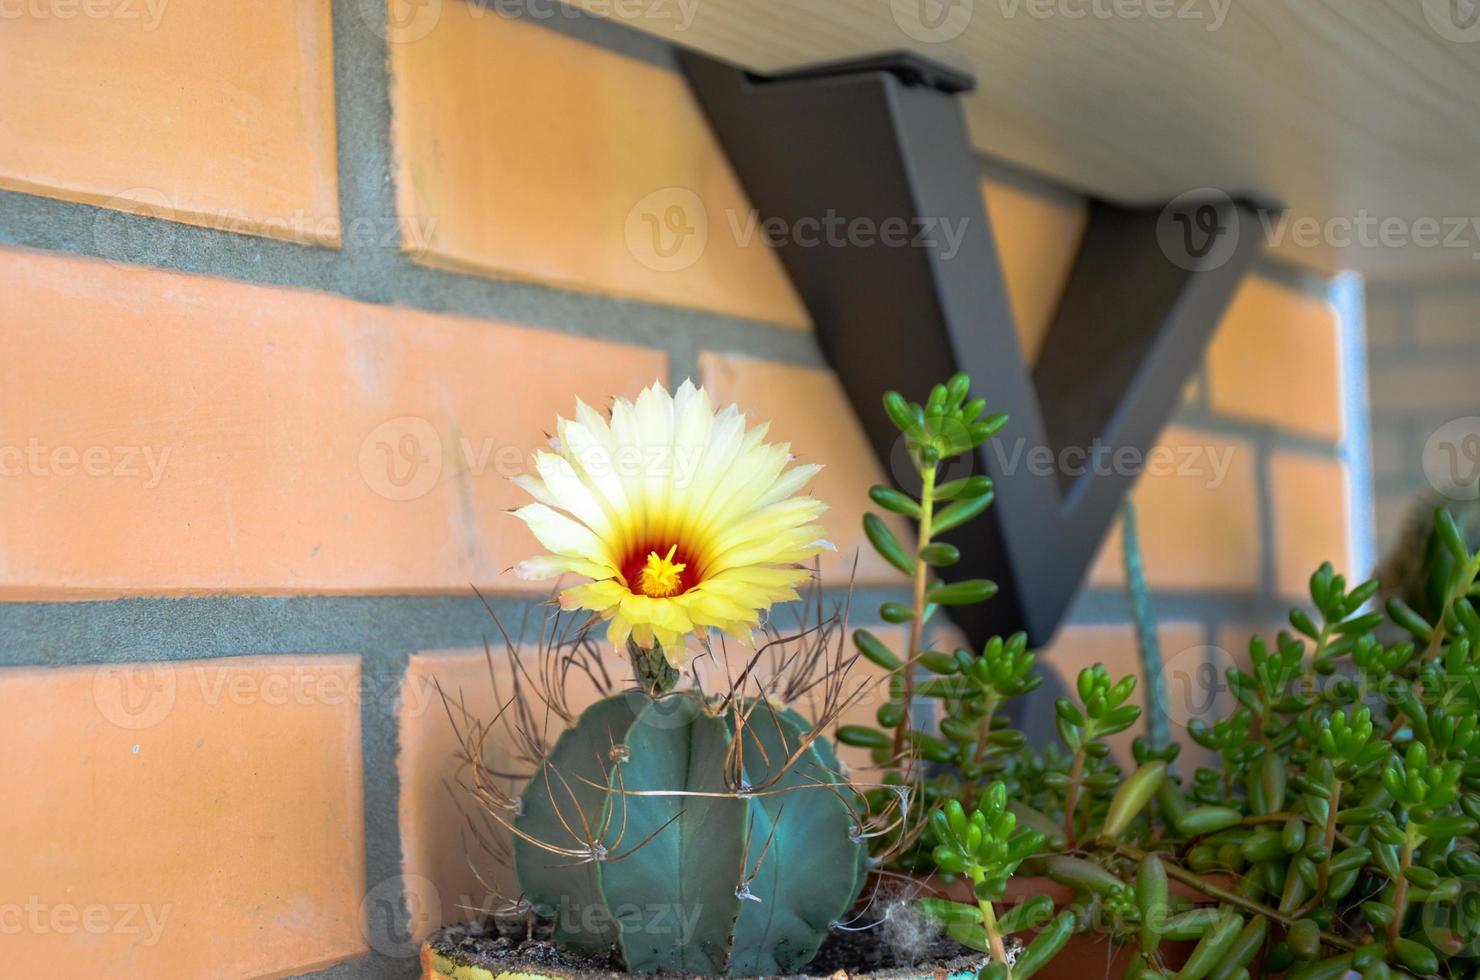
column 832, row 157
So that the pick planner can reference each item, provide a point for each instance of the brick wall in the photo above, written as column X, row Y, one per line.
column 285, row 297
column 1424, row 356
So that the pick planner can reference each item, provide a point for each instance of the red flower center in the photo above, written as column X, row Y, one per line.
column 660, row 571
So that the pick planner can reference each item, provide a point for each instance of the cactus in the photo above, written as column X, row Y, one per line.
column 654, row 827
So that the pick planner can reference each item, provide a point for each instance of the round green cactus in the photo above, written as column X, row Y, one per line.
column 653, row 827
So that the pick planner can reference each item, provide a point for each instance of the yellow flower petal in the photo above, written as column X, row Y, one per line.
column 684, row 519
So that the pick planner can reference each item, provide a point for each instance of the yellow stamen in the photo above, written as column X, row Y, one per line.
column 661, row 577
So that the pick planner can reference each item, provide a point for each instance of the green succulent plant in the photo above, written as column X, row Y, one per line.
column 986, row 846
column 1344, row 801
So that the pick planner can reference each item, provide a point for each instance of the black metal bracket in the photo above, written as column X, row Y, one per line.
column 884, row 140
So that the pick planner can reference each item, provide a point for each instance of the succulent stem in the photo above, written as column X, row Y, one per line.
column 1329, row 841
column 994, row 934
column 1400, row 892
column 655, row 675
column 1071, row 797
column 917, row 623
column 983, row 734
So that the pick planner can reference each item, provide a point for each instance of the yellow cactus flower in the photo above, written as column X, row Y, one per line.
column 683, row 518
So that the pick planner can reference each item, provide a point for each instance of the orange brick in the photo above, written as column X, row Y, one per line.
column 443, row 861
column 1078, row 647
column 808, row 408
column 213, row 112
column 1275, row 359
column 301, row 443
column 1108, row 569
column 1310, row 507
column 1037, row 241
column 529, row 154
column 182, row 820
column 1197, row 513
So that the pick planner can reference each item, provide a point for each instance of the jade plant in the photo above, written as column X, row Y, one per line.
column 1336, row 834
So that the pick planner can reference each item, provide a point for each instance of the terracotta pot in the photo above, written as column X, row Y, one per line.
column 1086, row 956
column 437, row 966
column 1089, row 954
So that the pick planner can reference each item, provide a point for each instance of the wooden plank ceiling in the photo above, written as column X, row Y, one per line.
column 1362, row 115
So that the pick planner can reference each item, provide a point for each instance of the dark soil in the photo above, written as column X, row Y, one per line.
column 899, row 942
column 479, row 946
column 856, row 953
